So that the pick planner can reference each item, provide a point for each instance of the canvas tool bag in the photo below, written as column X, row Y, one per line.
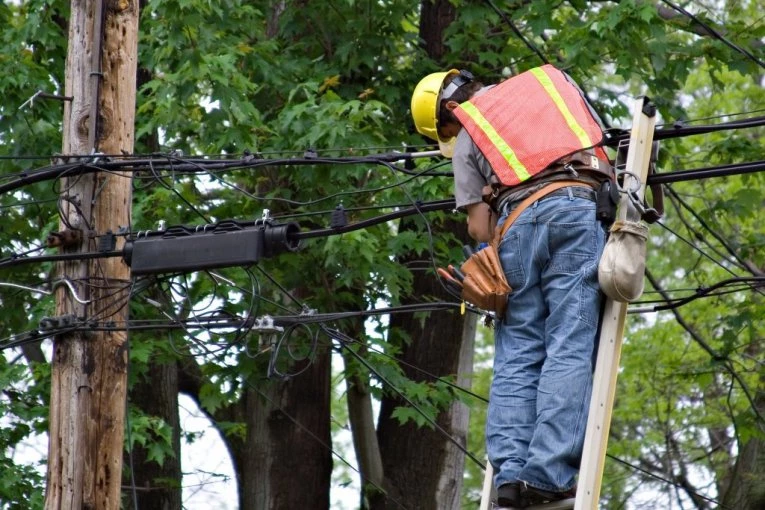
column 484, row 283
column 621, row 270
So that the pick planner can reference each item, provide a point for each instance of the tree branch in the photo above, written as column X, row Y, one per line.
column 704, row 345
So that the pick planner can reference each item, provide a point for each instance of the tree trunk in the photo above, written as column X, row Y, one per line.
column 434, row 18
column 362, row 420
column 89, row 374
column 442, row 346
column 746, row 486
column 158, row 486
column 287, row 459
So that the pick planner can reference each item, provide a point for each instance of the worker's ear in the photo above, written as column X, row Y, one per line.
column 451, row 105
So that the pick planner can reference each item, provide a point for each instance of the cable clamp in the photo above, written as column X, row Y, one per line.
column 58, row 322
column 266, row 324
column 96, row 156
column 647, row 214
column 267, row 330
column 249, row 155
column 338, row 218
column 107, row 242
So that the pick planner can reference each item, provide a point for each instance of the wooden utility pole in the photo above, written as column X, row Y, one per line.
column 89, row 379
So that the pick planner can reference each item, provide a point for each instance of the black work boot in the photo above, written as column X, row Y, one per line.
column 509, row 496
column 533, row 496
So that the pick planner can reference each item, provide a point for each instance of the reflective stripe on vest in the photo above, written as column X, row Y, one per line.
column 499, row 143
column 528, row 122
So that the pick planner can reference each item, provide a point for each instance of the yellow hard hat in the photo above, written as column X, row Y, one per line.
column 425, row 104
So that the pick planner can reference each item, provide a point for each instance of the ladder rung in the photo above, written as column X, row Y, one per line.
column 563, row 504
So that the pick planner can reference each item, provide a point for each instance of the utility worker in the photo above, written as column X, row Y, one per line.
column 506, row 142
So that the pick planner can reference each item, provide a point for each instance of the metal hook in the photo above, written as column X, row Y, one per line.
column 31, row 100
column 44, row 95
column 70, row 286
column 56, row 283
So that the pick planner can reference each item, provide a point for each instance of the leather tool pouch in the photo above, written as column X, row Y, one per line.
column 485, row 285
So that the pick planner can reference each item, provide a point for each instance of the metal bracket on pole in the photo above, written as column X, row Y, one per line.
column 612, row 324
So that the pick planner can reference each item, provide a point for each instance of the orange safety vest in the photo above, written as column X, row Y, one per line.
column 529, row 121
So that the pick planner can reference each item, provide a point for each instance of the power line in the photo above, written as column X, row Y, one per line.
column 332, row 333
column 733, row 257
column 716, row 34
column 665, row 480
column 517, row 32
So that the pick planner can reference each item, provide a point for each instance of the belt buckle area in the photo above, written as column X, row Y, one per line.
column 509, row 206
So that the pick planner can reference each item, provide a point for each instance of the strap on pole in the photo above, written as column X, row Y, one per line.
column 612, row 324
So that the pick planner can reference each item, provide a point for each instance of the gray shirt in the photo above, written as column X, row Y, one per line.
column 471, row 171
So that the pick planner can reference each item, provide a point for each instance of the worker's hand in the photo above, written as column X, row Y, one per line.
column 481, row 222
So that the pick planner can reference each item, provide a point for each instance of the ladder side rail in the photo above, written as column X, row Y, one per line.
column 612, row 325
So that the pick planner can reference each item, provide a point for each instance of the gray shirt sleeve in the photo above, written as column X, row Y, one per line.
column 471, row 171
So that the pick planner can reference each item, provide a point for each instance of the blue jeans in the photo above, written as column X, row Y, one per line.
column 544, row 348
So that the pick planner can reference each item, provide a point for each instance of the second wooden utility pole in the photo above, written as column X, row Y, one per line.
column 89, row 374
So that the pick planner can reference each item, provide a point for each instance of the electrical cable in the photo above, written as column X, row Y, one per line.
column 712, row 352
column 272, row 368
column 17, row 261
column 665, row 480
column 706, row 173
column 712, row 117
column 431, row 248
column 228, row 321
column 743, row 264
column 452, row 385
column 310, row 433
column 614, row 137
column 343, row 338
column 417, row 210
column 177, row 193
column 696, row 248
column 335, row 333
column 194, row 164
column 714, row 33
column 743, row 283
column 517, row 32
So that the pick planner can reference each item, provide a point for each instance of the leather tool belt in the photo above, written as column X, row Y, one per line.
column 584, row 162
